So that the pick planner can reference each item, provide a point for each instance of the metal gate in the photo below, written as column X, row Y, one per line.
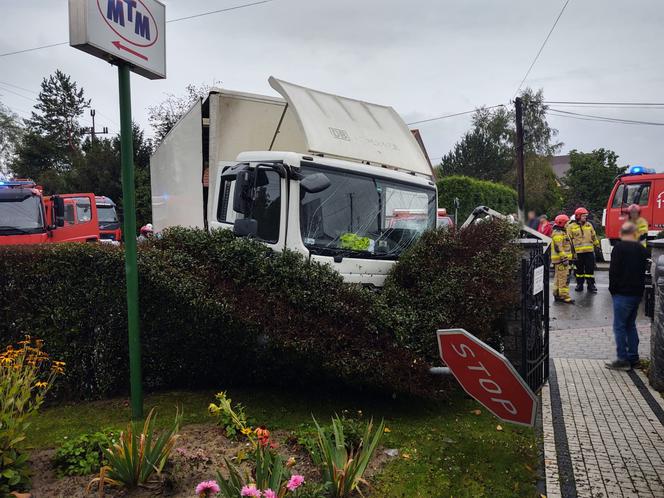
column 533, row 364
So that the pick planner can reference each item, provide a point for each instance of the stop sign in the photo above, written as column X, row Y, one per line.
column 487, row 376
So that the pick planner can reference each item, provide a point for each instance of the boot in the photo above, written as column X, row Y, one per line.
column 579, row 287
column 567, row 300
column 592, row 289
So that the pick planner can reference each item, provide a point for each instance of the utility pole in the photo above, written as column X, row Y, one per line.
column 520, row 166
column 93, row 131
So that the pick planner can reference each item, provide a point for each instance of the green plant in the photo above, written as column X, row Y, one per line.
column 472, row 192
column 137, row 455
column 232, row 419
column 85, row 454
column 342, row 467
column 26, row 375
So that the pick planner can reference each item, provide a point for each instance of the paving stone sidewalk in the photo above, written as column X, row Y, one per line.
column 603, row 430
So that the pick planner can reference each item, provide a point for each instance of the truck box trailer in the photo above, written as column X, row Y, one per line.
column 312, row 172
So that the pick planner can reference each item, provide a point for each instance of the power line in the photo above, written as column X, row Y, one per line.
column 541, row 48
column 18, row 87
column 452, row 115
column 593, row 117
column 2, row 89
column 604, row 103
column 236, row 7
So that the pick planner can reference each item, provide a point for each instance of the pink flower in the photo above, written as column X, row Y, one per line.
column 207, row 488
column 268, row 493
column 295, row 482
column 250, row 491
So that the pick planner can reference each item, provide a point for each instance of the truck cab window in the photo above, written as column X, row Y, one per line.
column 83, row 210
column 225, row 212
column 267, row 205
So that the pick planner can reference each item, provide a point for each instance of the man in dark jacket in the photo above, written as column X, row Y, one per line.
column 626, row 284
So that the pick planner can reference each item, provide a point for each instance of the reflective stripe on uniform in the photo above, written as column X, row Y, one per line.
column 582, row 249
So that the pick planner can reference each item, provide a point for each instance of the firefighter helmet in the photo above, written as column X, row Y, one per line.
column 580, row 211
column 634, row 207
column 561, row 220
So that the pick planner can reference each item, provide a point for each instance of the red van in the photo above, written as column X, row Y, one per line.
column 641, row 186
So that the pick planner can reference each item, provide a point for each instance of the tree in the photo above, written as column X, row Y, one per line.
column 590, row 179
column 11, row 131
column 472, row 193
column 51, row 143
column 485, row 152
column 538, row 135
column 163, row 116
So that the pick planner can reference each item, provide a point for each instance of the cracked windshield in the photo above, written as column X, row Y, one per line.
column 360, row 216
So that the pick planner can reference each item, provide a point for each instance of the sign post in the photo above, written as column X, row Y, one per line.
column 131, row 35
column 487, row 376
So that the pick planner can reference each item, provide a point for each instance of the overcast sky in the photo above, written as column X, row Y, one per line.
column 425, row 58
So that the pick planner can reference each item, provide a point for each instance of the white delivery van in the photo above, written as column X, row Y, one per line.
column 312, row 172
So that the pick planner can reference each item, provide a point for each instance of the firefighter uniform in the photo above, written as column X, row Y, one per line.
column 642, row 229
column 584, row 241
column 561, row 255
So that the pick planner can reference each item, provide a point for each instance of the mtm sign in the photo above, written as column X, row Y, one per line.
column 487, row 376
column 132, row 31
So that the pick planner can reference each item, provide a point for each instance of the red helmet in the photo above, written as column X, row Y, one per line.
column 580, row 211
column 561, row 220
column 146, row 229
column 634, row 207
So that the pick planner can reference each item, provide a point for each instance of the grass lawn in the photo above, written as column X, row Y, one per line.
column 445, row 449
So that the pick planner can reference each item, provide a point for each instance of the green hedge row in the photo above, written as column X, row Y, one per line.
column 472, row 192
column 219, row 310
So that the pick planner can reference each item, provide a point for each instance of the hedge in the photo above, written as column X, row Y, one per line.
column 472, row 192
column 217, row 310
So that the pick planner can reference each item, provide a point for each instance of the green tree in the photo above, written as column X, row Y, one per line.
column 590, row 179
column 11, row 130
column 51, row 143
column 163, row 116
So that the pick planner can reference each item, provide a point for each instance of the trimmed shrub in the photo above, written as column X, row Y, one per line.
column 449, row 279
column 472, row 193
column 215, row 309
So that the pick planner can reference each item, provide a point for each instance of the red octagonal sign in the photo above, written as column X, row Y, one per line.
column 487, row 376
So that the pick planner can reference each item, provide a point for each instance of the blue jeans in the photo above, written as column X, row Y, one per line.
column 625, row 310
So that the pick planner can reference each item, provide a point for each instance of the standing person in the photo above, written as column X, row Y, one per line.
column 146, row 233
column 584, row 242
column 641, row 223
column 626, row 284
column 532, row 221
column 545, row 227
column 561, row 255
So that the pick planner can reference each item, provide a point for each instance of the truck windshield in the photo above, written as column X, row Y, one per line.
column 107, row 214
column 20, row 214
column 364, row 217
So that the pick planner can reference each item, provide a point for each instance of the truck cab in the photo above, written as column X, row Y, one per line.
column 319, row 174
column 29, row 217
column 110, row 229
column 641, row 186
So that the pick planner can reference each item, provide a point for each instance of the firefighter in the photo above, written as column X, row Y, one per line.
column 146, row 233
column 561, row 255
column 641, row 223
column 584, row 244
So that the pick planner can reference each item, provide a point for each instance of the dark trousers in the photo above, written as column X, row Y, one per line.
column 625, row 311
column 585, row 268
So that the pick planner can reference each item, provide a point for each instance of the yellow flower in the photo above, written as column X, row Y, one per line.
column 247, row 431
column 387, row 429
column 41, row 384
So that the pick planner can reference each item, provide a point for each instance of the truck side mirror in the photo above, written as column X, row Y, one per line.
column 245, row 227
column 312, row 184
column 59, row 211
column 243, row 198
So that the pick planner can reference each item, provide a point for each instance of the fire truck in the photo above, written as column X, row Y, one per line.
column 109, row 224
column 29, row 217
column 640, row 186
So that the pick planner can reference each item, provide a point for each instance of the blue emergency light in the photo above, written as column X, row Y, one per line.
column 640, row 170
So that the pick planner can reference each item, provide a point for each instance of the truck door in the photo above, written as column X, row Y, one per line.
column 80, row 219
column 625, row 194
column 269, row 206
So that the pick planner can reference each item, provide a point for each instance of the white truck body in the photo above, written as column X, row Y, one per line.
column 370, row 161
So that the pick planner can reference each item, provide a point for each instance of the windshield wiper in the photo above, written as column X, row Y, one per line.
column 7, row 228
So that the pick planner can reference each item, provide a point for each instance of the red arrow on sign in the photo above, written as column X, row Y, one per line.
column 120, row 46
column 487, row 376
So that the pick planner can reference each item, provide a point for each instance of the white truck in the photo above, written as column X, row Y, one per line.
column 312, row 172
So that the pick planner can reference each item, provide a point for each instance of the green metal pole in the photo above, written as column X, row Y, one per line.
column 131, row 267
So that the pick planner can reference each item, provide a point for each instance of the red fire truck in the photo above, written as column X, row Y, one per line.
column 109, row 224
column 641, row 186
column 29, row 217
